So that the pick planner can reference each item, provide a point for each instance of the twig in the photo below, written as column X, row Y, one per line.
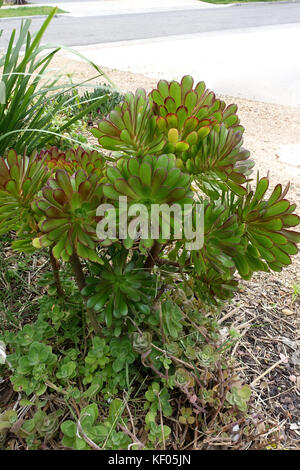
column 80, row 280
column 154, row 252
column 267, row 371
column 81, row 433
column 132, row 436
column 161, row 422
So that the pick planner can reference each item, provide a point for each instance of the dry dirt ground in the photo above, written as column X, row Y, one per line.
column 266, row 310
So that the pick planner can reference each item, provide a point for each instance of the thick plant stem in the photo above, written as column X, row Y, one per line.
column 154, row 252
column 77, row 270
column 80, row 281
column 55, row 270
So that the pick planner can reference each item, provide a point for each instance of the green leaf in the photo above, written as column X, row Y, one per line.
column 2, row 92
column 69, row 428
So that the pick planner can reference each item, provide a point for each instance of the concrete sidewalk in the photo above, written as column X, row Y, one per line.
column 117, row 7
column 254, row 63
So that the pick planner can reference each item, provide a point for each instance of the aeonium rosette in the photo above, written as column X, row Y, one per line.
column 68, row 214
column 150, row 186
column 73, row 160
column 121, row 286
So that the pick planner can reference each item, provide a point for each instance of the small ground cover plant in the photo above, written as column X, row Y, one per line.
column 126, row 332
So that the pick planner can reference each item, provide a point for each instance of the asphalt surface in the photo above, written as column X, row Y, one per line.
column 71, row 31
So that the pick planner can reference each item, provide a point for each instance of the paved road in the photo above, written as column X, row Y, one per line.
column 70, row 31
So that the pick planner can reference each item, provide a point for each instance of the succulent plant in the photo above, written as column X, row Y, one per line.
column 72, row 160
column 186, row 416
column 130, row 127
column 120, row 287
column 185, row 115
column 268, row 222
column 223, row 240
column 239, row 396
column 47, row 425
column 183, row 378
column 68, row 214
column 21, row 178
column 148, row 181
column 208, row 356
column 218, row 162
column 7, row 419
column 174, row 349
column 141, row 342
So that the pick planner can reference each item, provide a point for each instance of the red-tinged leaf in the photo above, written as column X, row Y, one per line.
column 239, row 190
column 11, row 188
column 277, row 267
column 64, row 182
column 276, row 194
column 175, row 92
column 291, row 235
column 190, row 101
column 277, row 238
column 266, row 254
column 84, row 190
column 274, row 225
column 291, row 220
column 12, row 158
column 163, row 88
column 176, row 194
column 54, row 213
column 107, row 128
column 190, row 124
column 260, row 191
column 278, row 208
column 182, row 114
column 113, row 173
column 170, row 105
column 187, row 83
column 262, row 240
column 122, row 187
column 231, row 109
column 84, row 239
column 52, row 224
column 58, row 233
column 242, row 265
column 157, row 97
column 172, row 120
column 59, row 196
column 110, row 192
column 289, row 248
column 280, row 256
